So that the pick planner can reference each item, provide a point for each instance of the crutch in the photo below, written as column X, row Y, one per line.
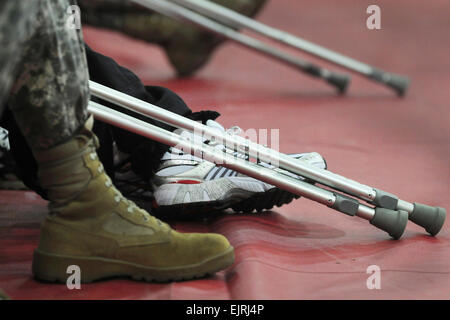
column 389, row 213
column 338, row 80
column 233, row 19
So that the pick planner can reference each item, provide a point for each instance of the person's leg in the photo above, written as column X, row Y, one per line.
column 16, row 27
column 49, row 98
column 90, row 223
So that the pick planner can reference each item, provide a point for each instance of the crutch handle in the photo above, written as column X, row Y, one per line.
column 431, row 218
column 393, row 222
column 397, row 82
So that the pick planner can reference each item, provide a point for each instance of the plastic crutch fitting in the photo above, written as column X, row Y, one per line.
column 393, row 222
column 385, row 199
column 397, row 82
column 431, row 218
column 340, row 81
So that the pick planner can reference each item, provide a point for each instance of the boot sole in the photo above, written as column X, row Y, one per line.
column 53, row 268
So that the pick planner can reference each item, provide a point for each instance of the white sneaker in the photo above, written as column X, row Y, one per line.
column 185, row 184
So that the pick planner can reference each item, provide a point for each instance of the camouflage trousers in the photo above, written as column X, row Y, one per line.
column 43, row 70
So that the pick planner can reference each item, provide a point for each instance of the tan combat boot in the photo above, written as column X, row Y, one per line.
column 188, row 47
column 92, row 226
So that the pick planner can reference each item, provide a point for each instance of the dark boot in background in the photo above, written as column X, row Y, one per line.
column 188, row 47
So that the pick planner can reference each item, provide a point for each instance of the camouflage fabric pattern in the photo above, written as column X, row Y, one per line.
column 16, row 25
column 50, row 89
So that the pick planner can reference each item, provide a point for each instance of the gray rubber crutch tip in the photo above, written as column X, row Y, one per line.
column 431, row 218
column 393, row 222
column 340, row 81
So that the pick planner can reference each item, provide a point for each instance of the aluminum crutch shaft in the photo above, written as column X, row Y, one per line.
column 235, row 20
column 265, row 154
column 340, row 81
column 393, row 222
column 431, row 218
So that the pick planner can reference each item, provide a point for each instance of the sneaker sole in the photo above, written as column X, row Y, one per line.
column 53, row 268
column 240, row 201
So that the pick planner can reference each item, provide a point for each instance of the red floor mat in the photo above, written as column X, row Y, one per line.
column 302, row 250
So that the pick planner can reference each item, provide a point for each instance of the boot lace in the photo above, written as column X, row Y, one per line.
column 132, row 207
